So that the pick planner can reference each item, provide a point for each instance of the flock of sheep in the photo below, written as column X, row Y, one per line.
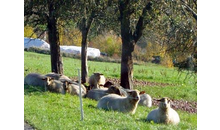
column 108, row 95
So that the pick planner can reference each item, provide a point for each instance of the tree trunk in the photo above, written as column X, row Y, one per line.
column 84, row 67
column 56, row 59
column 127, row 66
column 85, row 27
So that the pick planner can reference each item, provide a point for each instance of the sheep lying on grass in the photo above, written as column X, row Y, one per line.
column 57, row 86
column 96, row 94
column 73, row 89
column 96, row 80
column 164, row 114
column 145, row 99
column 35, row 79
column 118, row 103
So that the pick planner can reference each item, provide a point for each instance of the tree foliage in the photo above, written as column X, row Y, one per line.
column 29, row 32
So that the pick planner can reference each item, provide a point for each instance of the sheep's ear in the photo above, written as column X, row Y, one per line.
column 142, row 92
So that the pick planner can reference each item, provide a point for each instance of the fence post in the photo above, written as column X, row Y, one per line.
column 80, row 96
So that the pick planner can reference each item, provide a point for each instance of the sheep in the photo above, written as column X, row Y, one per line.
column 118, row 103
column 73, row 89
column 97, row 80
column 58, row 86
column 164, row 113
column 60, row 77
column 35, row 79
column 96, row 94
column 145, row 99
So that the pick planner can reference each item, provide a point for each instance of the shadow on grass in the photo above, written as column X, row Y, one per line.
column 142, row 120
column 33, row 90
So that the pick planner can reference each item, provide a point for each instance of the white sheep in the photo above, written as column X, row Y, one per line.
column 97, row 80
column 145, row 99
column 73, row 89
column 118, row 103
column 164, row 114
column 97, row 94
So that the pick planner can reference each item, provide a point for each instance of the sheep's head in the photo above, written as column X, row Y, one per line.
column 164, row 103
column 108, row 84
column 49, row 80
column 134, row 95
column 114, row 89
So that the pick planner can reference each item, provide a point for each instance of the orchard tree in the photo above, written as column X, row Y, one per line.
column 88, row 11
column 49, row 12
column 134, row 16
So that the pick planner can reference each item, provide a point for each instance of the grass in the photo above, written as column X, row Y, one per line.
column 50, row 111
column 45, row 110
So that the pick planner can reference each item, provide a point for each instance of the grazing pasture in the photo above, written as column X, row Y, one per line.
column 45, row 110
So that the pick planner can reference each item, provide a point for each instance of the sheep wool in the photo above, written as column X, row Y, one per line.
column 35, row 79
column 118, row 103
column 164, row 113
column 73, row 89
column 96, row 80
column 97, row 94
column 145, row 100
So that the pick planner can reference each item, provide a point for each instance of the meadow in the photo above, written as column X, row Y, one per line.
column 45, row 110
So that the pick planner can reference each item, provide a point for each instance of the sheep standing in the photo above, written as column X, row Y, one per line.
column 164, row 114
column 96, row 80
column 118, row 103
column 145, row 99
column 96, row 94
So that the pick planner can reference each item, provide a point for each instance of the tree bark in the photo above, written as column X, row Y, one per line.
column 56, row 59
column 84, row 67
column 127, row 65
column 85, row 27
column 128, row 44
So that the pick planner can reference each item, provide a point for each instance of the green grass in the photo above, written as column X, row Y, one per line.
column 49, row 111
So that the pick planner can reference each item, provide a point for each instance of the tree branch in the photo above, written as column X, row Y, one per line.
column 190, row 10
column 141, row 23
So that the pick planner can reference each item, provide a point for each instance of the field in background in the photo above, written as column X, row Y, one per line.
column 45, row 110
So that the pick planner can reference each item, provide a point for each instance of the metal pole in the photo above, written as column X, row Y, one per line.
column 80, row 95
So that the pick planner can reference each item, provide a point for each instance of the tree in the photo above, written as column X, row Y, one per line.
column 49, row 12
column 88, row 11
column 130, row 35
